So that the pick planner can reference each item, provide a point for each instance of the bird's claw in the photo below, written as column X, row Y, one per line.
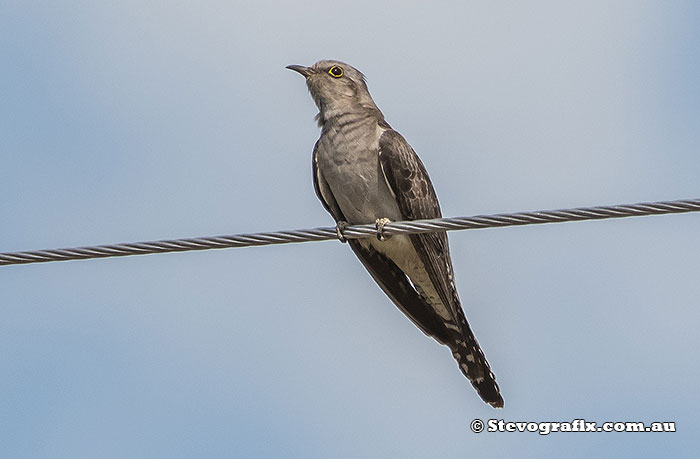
column 339, row 228
column 379, row 224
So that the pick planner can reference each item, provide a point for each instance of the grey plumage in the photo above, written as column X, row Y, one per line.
column 363, row 171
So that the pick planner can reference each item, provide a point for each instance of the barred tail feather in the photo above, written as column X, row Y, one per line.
column 473, row 364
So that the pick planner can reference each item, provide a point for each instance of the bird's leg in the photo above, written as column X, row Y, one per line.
column 339, row 228
column 379, row 224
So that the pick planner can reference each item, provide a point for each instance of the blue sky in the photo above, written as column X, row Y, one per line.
column 140, row 120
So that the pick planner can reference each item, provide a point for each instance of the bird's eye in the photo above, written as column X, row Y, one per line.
column 336, row 71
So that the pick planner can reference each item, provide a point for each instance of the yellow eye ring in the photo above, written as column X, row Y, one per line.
column 335, row 71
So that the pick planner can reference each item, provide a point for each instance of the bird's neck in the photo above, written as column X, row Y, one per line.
column 349, row 115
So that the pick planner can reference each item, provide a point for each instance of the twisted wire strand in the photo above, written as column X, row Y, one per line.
column 352, row 232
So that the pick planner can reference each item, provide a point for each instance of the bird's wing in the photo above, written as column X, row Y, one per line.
column 415, row 195
column 417, row 199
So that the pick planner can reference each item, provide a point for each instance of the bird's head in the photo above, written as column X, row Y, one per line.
column 336, row 88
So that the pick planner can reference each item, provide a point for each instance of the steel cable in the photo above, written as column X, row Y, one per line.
column 352, row 232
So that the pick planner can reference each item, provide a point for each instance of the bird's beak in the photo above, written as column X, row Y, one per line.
column 305, row 71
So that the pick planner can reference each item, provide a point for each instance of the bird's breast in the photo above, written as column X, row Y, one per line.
column 349, row 162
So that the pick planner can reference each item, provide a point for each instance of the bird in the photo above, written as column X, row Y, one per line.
column 366, row 172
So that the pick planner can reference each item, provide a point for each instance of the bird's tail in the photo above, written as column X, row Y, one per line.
column 473, row 364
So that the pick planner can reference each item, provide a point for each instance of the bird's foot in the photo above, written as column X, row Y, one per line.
column 339, row 228
column 379, row 224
